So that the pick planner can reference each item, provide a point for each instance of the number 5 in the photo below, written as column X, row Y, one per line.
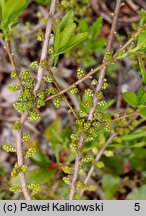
column 137, row 207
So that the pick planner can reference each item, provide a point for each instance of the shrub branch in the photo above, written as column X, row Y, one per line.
column 95, row 100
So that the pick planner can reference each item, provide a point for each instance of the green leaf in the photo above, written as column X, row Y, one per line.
column 143, row 16
column 110, row 185
column 138, row 194
column 53, row 132
column 73, row 42
column 83, row 26
column 142, row 101
column 134, row 136
column 43, row 2
column 67, row 19
column 142, row 112
column 140, row 93
column 131, row 98
column 66, row 34
column 12, row 10
column 39, row 175
column 95, row 29
column 142, row 69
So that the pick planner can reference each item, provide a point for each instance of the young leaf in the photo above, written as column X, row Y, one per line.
column 83, row 26
column 142, row 101
column 143, row 16
column 110, row 185
column 140, row 93
column 66, row 34
column 142, row 112
column 131, row 98
column 96, row 27
column 73, row 42
column 12, row 10
column 67, row 19
column 142, row 69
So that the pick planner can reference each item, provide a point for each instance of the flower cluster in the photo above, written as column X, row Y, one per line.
column 13, row 87
column 16, row 170
column 81, row 185
column 34, row 115
column 67, row 180
column 26, row 137
column 9, row 148
column 73, row 90
column 34, row 65
column 17, row 125
column 13, row 74
column 66, row 169
column 34, row 188
column 80, row 73
column 30, row 152
column 15, row 189
column 87, row 159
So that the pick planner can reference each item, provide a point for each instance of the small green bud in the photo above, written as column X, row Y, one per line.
column 13, row 74
column 66, row 169
column 15, row 189
column 73, row 90
column 74, row 137
column 57, row 101
column 73, row 147
column 109, row 54
column 9, row 148
column 33, row 115
column 34, row 188
column 67, row 180
column 108, row 153
column 25, row 74
column 94, row 82
column 26, row 137
column 30, row 152
column 44, row 63
column 48, row 79
column 81, row 185
column 30, row 82
column 34, row 65
column 23, row 168
column 99, row 95
column 50, row 50
column 13, row 88
column 52, row 90
column 40, row 36
column 99, row 164
column 80, row 73
column 40, row 103
column 102, row 103
column 82, row 114
column 17, row 125
column 87, row 125
column 87, row 159
column 89, row 92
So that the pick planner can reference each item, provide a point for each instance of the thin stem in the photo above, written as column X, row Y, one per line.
column 95, row 100
column 12, row 60
column 100, row 153
column 19, row 134
column 20, row 156
column 125, row 116
column 58, row 88
column 45, row 44
column 19, row 143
